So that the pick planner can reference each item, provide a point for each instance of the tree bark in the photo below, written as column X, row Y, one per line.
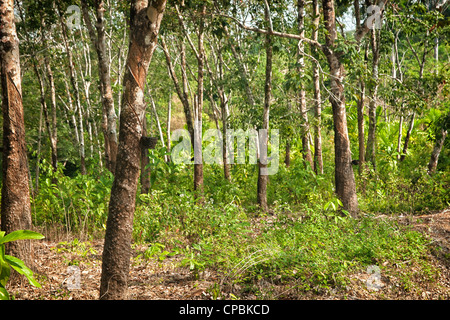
column 306, row 149
column 73, row 80
column 217, row 80
column 399, row 140
column 198, row 165
column 372, row 132
column 145, row 21
column 408, row 137
column 53, row 133
column 15, row 202
column 263, row 139
column 318, row 159
column 344, row 176
column 181, row 92
column 158, row 123
column 48, row 126
column 361, row 100
column 145, row 161
column 287, row 156
column 169, row 118
column 98, row 39
column 437, row 151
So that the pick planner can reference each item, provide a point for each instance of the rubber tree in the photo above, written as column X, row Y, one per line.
column 344, row 175
column 98, row 39
column 263, row 139
column 15, row 202
column 145, row 21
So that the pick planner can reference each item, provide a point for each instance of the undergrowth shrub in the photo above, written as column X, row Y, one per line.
column 80, row 203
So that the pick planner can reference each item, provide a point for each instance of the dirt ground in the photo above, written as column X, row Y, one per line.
column 153, row 280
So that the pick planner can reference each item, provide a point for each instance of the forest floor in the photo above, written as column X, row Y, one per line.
column 151, row 279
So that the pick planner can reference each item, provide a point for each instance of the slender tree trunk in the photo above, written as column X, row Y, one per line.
column 318, row 160
column 361, row 100
column 71, row 111
column 109, row 116
column 399, row 140
column 181, row 92
column 217, row 80
column 344, row 176
column 169, row 118
column 361, row 136
column 437, row 151
column 54, row 128
column 408, row 137
column 198, row 165
column 73, row 79
column 46, row 117
column 38, row 155
column 436, row 54
column 287, row 157
column 225, row 114
column 15, row 202
column 263, row 139
column 158, row 123
column 306, row 150
column 371, row 140
column 145, row 21
column 145, row 161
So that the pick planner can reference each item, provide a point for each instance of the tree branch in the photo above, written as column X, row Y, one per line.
column 274, row 33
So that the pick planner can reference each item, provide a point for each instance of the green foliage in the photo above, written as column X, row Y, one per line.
column 80, row 203
column 7, row 262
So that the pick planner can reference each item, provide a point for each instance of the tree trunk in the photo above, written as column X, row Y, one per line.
column 70, row 110
column 181, row 92
column 54, row 128
column 145, row 161
column 109, row 116
column 198, row 164
column 399, row 140
column 73, row 80
column 440, row 139
column 46, row 117
column 169, row 117
column 287, row 157
column 408, row 137
column 306, row 150
column 371, row 140
column 145, row 21
column 15, row 202
column 361, row 137
column 318, row 160
column 361, row 100
column 217, row 80
column 437, row 151
column 38, row 155
column 158, row 123
column 263, row 178
column 344, row 176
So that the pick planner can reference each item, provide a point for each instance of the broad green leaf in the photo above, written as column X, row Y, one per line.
column 5, row 272
column 21, row 268
column 3, row 294
column 21, row 235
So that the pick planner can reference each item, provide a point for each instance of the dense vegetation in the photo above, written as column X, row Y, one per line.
column 306, row 238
